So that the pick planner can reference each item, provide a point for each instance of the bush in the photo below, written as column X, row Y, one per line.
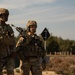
column 62, row 65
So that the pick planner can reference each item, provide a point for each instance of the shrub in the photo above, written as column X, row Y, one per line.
column 62, row 65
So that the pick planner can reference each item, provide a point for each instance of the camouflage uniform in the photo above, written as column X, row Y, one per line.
column 30, row 48
column 7, row 43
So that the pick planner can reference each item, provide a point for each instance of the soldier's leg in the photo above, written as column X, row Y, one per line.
column 25, row 68
column 1, row 73
column 36, row 69
column 10, row 67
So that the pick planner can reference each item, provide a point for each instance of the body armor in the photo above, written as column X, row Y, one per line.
column 6, row 40
column 7, row 43
column 30, row 47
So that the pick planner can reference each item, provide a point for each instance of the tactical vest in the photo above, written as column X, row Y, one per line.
column 32, row 48
column 5, row 39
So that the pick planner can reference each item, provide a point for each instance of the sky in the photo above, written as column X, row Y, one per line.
column 58, row 16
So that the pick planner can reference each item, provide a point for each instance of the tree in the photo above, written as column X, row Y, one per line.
column 52, row 46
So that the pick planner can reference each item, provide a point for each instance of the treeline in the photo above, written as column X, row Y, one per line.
column 57, row 44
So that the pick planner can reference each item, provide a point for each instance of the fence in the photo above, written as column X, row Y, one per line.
column 60, row 53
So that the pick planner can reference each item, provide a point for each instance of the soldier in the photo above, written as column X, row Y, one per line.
column 7, row 43
column 30, row 48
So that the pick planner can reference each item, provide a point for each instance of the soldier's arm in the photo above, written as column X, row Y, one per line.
column 11, row 34
column 43, row 49
column 12, row 38
column 20, row 44
column 43, row 56
column 20, row 41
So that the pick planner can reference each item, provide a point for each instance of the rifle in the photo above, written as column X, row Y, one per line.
column 21, row 31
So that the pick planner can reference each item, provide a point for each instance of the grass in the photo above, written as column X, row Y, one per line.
column 64, row 65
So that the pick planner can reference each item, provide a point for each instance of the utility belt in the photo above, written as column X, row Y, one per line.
column 26, row 56
column 31, row 59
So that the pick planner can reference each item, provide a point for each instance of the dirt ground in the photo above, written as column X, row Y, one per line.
column 43, row 73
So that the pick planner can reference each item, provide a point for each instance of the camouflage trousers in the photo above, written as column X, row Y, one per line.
column 33, row 66
column 9, row 67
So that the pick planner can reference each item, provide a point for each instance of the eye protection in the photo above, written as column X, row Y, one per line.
column 3, row 15
column 33, row 26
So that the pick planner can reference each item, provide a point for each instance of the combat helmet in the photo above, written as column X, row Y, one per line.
column 31, row 22
column 4, row 13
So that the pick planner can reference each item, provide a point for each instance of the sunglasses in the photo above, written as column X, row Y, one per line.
column 3, row 15
column 33, row 26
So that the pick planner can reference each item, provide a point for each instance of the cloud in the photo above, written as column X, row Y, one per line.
column 43, row 14
column 15, row 4
column 48, row 13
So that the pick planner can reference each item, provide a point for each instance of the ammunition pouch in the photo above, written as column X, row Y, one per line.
column 28, row 52
column 8, row 40
column 20, row 54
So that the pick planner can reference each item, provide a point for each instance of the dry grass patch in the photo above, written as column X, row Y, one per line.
column 62, row 65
